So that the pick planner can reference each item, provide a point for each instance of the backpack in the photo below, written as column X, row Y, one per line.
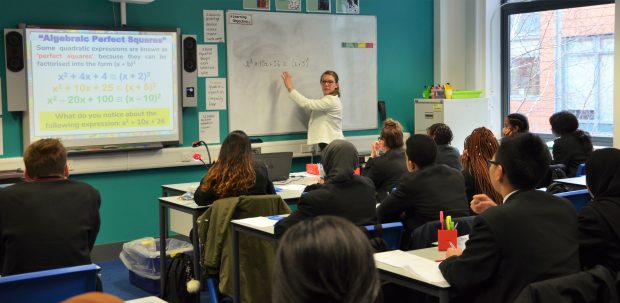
column 180, row 271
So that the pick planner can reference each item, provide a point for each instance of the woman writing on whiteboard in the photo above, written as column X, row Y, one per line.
column 325, row 123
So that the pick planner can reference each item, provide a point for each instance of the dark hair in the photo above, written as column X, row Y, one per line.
column 520, row 121
column 45, row 158
column 392, row 134
column 563, row 123
column 441, row 133
column 332, row 73
column 421, row 150
column 325, row 259
column 233, row 171
column 524, row 158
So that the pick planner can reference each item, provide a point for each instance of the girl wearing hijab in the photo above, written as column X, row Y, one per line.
column 342, row 194
column 599, row 231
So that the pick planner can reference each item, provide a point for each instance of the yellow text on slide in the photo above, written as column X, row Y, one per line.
column 104, row 119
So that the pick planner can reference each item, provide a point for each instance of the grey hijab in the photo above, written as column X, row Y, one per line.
column 339, row 161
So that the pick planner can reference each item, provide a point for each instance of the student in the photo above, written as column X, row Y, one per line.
column 573, row 146
column 515, row 123
column 387, row 162
column 234, row 173
column 325, row 259
column 599, row 231
column 531, row 237
column 342, row 194
column 479, row 147
column 48, row 221
column 325, row 123
column 425, row 190
column 446, row 153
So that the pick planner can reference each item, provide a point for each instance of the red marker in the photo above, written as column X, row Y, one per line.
column 441, row 218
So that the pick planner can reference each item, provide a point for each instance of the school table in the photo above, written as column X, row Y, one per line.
column 184, row 206
column 578, row 181
column 411, row 280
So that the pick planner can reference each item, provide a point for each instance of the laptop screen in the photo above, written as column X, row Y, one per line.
column 278, row 164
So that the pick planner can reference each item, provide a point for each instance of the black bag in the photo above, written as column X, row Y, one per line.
column 180, row 271
column 376, row 240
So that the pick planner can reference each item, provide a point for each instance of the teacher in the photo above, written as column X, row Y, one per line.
column 325, row 123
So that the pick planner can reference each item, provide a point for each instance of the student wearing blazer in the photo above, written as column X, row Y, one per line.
column 531, row 237
column 573, row 146
column 325, row 123
column 342, row 194
column 387, row 162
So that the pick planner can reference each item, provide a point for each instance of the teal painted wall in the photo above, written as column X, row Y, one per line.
column 129, row 199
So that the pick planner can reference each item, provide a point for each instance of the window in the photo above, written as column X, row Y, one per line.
column 559, row 55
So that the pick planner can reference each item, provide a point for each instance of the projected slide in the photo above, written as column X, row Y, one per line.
column 101, row 84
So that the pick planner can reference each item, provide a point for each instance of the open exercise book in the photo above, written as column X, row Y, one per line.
column 427, row 270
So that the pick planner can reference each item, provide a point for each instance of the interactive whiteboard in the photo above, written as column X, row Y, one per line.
column 261, row 45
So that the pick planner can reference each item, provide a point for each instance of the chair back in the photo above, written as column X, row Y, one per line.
column 594, row 285
column 52, row 285
column 578, row 198
column 391, row 233
column 581, row 169
column 425, row 235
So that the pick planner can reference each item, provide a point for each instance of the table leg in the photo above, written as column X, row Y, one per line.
column 235, row 264
column 163, row 233
column 444, row 296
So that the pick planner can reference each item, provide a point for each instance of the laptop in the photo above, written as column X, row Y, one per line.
column 278, row 164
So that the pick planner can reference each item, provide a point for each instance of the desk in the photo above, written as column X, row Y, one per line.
column 407, row 279
column 239, row 226
column 290, row 191
column 184, row 206
column 578, row 181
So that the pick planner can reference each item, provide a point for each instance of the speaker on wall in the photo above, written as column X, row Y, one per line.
column 16, row 89
column 190, row 70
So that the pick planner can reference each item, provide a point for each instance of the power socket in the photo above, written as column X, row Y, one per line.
column 307, row 148
column 187, row 156
column 256, row 150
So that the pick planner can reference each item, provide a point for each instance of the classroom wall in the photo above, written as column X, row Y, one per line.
column 129, row 198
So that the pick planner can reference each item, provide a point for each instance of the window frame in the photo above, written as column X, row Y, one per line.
column 511, row 8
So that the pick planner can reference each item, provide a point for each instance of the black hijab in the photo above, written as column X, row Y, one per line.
column 603, row 180
column 339, row 161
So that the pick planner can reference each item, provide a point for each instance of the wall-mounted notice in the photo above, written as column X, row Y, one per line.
column 347, row 6
column 318, row 6
column 209, row 126
column 214, row 25
column 216, row 93
column 256, row 4
column 207, row 61
column 288, row 5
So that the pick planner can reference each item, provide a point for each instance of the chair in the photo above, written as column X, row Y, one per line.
column 425, row 235
column 391, row 233
column 555, row 171
column 256, row 255
column 578, row 198
column 52, row 285
column 580, row 170
column 594, row 285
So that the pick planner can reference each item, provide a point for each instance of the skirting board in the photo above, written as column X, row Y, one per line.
column 175, row 156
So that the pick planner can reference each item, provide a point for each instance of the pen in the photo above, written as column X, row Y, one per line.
column 441, row 218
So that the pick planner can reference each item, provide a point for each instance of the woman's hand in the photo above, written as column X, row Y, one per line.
column 288, row 80
column 375, row 148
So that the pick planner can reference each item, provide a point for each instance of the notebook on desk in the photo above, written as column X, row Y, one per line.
column 278, row 164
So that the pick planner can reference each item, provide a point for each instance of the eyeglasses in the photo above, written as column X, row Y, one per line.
column 489, row 162
column 330, row 82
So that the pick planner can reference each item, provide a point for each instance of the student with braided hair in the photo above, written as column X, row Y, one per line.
column 515, row 123
column 479, row 147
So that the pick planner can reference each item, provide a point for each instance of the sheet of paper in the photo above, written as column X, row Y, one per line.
column 259, row 221
column 216, row 93
column 427, row 269
column 207, row 61
column 151, row 299
column 292, row 186
column 213, row 25
column 209, row 126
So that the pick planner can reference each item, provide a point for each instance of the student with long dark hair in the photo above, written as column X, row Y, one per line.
column 599, row 231
column 387, row 162
column 325, row 123
column 573, row 146
column 325, row 259
column 479, row 147
column 234, row 173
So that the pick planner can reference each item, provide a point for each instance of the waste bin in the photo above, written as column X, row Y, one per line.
column 141, row 257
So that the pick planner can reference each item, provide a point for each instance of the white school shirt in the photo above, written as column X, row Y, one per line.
column 325, row 123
